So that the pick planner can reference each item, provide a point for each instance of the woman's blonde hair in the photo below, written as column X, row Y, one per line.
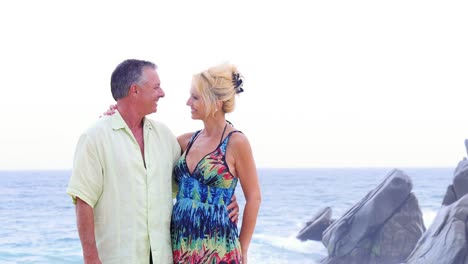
column 221, row 82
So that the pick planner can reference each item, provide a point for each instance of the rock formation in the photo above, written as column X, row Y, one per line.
column 445, row 242
column 386, row 226
column 380, row 229
column 314, row 228
column 460, row 183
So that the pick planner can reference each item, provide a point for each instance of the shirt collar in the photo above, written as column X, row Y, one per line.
column 118, row 122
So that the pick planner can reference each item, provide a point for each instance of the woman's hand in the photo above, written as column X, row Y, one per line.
column 110, row 111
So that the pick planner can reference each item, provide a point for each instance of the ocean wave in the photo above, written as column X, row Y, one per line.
column 428, row 216
column 293, row 244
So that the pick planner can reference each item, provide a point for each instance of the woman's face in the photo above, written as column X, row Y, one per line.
column 196, row 103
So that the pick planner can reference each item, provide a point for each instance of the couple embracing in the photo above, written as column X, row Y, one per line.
column 122, row 180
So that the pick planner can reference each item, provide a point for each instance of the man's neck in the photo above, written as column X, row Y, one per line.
column 134, row 121
column 130, row 115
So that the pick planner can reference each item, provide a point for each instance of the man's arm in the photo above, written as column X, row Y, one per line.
column 85, row 224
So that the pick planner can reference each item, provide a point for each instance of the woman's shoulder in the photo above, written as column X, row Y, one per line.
column 240, row 146
column 184, row 139
column 185, row 136
column 238, row 139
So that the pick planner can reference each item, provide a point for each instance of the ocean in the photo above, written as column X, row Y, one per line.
column 38, row 218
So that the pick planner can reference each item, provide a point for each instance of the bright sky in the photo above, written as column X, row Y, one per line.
column 327, row 83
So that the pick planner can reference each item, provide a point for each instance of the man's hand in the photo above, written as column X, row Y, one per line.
column 85, row 225
column 233, row 208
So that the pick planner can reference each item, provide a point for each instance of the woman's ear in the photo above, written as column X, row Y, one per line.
column 219, row 105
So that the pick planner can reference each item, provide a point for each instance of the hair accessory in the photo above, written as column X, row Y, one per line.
column 238, row 82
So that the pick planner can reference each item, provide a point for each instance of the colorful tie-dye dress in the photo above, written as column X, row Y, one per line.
column 201, row 229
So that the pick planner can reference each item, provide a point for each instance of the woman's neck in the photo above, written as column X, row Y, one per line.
column 213, row 126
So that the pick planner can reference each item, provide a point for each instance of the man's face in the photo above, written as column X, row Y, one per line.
column 149, row 91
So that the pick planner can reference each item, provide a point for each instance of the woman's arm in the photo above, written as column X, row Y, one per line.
column 246, row 171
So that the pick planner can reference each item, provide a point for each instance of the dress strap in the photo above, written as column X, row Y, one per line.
column 223, row 146
column 222, row 135
column 192, row 139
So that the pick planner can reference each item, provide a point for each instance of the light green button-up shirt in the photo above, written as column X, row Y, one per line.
column 132, row 204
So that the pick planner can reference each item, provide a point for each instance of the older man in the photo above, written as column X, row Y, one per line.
column 122, row 174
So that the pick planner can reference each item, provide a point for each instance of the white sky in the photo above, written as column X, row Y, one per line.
column 327, row 83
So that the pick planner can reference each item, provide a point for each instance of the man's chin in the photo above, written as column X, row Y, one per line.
column 152, row 111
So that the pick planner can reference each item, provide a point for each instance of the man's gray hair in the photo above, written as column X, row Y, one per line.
column 127, row 73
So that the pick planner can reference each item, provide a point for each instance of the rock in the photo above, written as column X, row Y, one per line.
column 381, row 228
column 398, row 236
column 445, row 242
column 460, row 180
column 314, row 228
column 450, row 196
column 460, row 183
column 466, row 146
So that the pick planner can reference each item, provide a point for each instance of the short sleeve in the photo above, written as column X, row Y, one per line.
column 86, row 180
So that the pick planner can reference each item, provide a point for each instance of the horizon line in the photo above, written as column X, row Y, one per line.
column 282, row 168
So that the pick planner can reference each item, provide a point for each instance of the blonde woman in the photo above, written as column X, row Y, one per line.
column 214, row 159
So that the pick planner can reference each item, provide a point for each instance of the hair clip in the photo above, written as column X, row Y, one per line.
column 238, row 82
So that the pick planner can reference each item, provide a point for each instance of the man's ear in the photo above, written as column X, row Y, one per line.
column 133, row 90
